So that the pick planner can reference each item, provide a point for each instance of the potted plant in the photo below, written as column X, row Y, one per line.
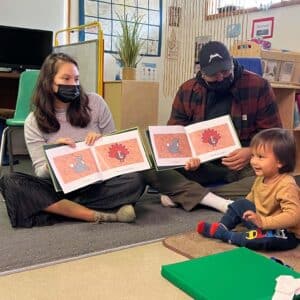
column 129, row 45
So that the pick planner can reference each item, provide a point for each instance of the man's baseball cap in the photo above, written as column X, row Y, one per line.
column 214, row 57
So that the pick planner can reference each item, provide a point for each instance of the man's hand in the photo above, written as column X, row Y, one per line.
column 66, row 141
column 237, row 159
column 192, row 164
column 253, row 217
column 92, row 137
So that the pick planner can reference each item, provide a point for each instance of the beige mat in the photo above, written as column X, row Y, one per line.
column 193, row 245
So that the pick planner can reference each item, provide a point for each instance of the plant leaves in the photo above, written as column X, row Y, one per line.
column 129, row 43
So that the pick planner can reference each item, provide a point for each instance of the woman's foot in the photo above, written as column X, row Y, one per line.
column 125, row 214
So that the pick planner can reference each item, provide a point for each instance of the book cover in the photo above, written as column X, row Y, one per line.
column 112, row 155
column 172, row 146
column 234, row 275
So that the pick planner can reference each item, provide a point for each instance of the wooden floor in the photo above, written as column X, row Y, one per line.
column 132, row 273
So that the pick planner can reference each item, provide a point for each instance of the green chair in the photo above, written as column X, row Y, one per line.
column 26, row 88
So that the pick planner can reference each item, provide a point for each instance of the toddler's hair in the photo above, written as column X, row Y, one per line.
column 282, row 143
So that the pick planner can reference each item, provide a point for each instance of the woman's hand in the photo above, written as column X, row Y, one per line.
column 92, row 137
column 66, row 141
column 253, row 217
column 237, row 159
column 192, row 164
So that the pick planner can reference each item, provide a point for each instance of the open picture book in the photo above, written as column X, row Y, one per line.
column 173, row 145
column 112, row 155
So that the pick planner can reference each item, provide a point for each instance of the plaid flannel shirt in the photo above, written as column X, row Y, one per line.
column 253, row 105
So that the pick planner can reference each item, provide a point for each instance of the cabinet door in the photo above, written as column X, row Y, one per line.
column 139, row 103
column 285, row 98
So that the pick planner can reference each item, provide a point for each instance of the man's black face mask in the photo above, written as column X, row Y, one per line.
column 221, row 86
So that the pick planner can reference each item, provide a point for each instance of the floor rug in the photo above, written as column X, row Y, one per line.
column 193, row 245
column 22, row 249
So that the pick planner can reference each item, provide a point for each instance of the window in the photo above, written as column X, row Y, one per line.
column 106, row 13
column 225, row 6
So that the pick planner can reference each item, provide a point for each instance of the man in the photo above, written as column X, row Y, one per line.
column 221, row 87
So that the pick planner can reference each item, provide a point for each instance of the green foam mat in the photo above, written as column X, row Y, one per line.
column 234, row 275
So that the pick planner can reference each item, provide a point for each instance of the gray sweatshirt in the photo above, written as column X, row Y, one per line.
column 101, row 121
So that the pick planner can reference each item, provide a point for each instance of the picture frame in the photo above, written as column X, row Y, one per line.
column 262, row 28
column 271, row 68
column 286, row 71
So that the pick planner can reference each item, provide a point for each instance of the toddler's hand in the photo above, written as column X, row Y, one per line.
column 253, row 217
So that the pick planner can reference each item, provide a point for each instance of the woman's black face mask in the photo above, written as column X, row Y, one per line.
column 67, row 93
column 221, row 86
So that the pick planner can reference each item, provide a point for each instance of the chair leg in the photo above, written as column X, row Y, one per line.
column 10, row 149
column 2, row 147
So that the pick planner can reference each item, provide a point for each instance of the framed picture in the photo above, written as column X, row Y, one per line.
column 262, row 28
column 286, row 71
column 271, row 69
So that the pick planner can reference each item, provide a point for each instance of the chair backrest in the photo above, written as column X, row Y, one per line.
column 252, row 64
column 26, row 88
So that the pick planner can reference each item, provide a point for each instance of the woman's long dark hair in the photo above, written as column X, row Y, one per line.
column 44, row 98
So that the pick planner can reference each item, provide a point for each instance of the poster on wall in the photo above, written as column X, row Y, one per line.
column 262, row 28
column 148, row 71
column 233, row 30
column 174, row 16
column 172, row 46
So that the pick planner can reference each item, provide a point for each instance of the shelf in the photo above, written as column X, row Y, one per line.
column 279, row 85
column 13, row 75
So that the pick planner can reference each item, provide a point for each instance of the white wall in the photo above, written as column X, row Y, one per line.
column 286, row 26
column 37, row 14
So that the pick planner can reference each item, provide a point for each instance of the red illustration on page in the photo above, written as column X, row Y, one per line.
column 75, row 165
column 170, row 145
column 211, row 139
column 119, row 154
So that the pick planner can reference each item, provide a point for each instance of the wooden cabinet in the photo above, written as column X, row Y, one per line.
column 132, row 103
column 285, row 97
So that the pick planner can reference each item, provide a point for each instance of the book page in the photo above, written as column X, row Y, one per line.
column 213, row 139
column 73, row 167
column 170, row 145
column 120, row 153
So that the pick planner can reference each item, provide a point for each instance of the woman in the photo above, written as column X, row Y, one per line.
column 65, row 114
